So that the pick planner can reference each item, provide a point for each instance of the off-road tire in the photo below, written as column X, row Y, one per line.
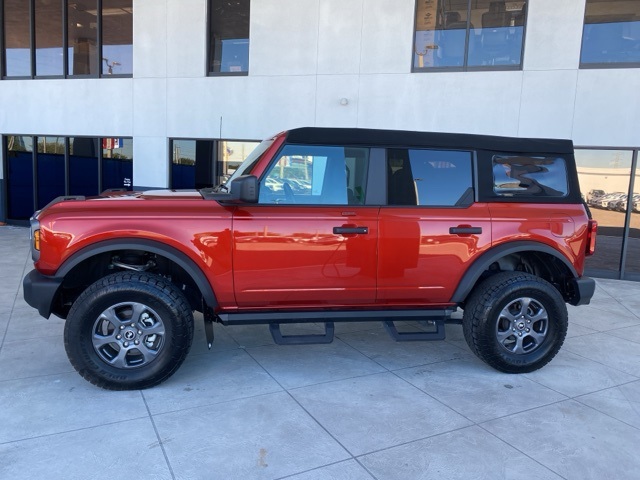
column 161, row 323
column 510, row 342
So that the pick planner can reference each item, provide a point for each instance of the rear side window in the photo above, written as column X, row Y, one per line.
column 515, row 176
column 429, row 177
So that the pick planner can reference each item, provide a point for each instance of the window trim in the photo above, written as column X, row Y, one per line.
column 210, row 51
column 598, row 65
column 65, row 47
column 465, row 67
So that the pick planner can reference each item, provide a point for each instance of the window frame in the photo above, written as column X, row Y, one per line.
column 211, row 51
column 465, row 67
column 65, row 46
column 598, row 65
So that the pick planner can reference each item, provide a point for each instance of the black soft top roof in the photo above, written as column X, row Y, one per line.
column 403, row 138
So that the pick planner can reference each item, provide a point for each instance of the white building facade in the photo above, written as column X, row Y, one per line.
column 335, row 63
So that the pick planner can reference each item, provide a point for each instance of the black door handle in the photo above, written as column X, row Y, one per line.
column 343, row 230
column 465, row 230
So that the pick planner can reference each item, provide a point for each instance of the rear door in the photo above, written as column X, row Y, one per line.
column 431, row 229
column 310, row 240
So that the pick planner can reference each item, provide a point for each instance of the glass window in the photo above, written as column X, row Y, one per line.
column 183, row 163
column 49, row 35
column 604, row 181
column 17, row 43
column 117, row 163
column 230, row 157
column 632, row 264
column 19, row 158
column 83, row 166
column 530, row 176
column 611, row 32
column 51, row 176
column 117, row 37
column 467, row 34
column 428, row 177
column 82, row 25
column 229, row 36
column 316, row 175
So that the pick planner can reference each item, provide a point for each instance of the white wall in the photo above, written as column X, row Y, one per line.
column 305, row 56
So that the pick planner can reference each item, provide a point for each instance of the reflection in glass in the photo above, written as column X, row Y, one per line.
column 230, row 156
column 183, row 164
column 117, row 37
column 611, row 32
column 454, row 33
column 48, row 37
column 50, row 169
column 604, row 182
column 229, row 36
column 83, row 166
column 17, row 43
column 19, row 159
column 632, row 264
column 117, row 163
column 83, row 37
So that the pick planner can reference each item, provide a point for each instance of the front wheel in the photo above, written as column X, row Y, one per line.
column 515, row 322
column 128, row 331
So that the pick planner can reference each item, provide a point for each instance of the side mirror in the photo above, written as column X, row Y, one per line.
column 245, row 189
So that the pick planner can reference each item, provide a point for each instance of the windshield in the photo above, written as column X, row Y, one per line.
column 251, row 160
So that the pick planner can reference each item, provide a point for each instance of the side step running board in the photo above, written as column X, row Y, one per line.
column 437, row 334
column 312, row 338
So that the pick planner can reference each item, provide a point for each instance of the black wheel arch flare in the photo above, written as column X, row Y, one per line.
column 473, row 273
column 151, row 246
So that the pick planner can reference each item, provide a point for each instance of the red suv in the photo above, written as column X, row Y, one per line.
column 324, row 225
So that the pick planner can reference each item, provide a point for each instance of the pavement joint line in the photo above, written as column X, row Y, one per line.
column 578, row 399
column 155, row 429
column 13, row 305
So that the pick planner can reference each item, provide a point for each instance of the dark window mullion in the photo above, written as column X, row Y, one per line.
column 34, row 164
column 467, row 36
column 2, row 53
column 66, row 166
column 100, row 187
column 627, row 215
column 65, row 39
column 32, row 37
column 99, row 47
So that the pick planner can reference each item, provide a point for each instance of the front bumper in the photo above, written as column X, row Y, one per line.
column 583, row 288
column 40, row 291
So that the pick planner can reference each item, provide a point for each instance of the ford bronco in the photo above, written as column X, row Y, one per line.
column 324, row 225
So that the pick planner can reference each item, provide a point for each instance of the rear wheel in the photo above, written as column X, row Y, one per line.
column 129, row 331
column 515, row 322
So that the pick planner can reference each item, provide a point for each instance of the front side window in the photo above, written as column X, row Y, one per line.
column 228, row 36
column 469, row 34
column 611, row 33
column 515, row 176
column 429, row 177
column 316, row 175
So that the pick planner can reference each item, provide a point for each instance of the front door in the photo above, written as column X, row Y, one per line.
column 310, row 240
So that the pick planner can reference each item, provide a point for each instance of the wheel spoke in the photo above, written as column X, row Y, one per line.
column 155, row 329
column 519, row 348
column 137, row 310
column 541, row 315
column 524, row 305
column 508, row 315
column 100, row 341
column 120, row 360
column 110, row 316
column 502, row 336
column 538, row 336
column 147, row 353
